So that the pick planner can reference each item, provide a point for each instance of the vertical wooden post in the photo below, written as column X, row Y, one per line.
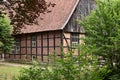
column 61, row 39
column 20, row 47
column 54, row 45
column 54, row 41
column 71, row 47
column 26, row 46
column 36, row 46
column 41, row 46
column 14, row 51
column 31, row 46
column 48, row 45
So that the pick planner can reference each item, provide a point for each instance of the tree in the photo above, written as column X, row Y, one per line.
column 6, row 39
column 24, row 11
column 102, row 29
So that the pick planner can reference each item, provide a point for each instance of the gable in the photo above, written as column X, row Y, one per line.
column 53, row 20
column 83, row 8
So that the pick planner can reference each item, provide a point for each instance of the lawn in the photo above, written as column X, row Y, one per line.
column 9, row 72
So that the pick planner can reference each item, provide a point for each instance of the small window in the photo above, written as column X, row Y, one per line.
column 33, row 41
column 74, row 39
column 17, row 47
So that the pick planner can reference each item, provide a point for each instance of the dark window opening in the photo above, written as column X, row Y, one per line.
column 74, row 40
column 33, row 41
column 17, row 47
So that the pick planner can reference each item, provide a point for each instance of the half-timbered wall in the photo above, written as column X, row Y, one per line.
column 67, row 42
column 83, row 8
column 38, row 46
column 41, row 45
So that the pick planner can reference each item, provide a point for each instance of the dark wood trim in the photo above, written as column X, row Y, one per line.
column 36, row 45
column 31, row 46
column 35, row 54
column 72, row 48
column 61, row 39
column 41, row 46
column 26, row 45
column 50, row 37
column 74, row 32
column 37, row 32
column 67, row 42
column 15, row 49
column 71, row 41
column 54, row 40
column 79, row 44
column 20, row 47
column 48, row 45
column 46, row 38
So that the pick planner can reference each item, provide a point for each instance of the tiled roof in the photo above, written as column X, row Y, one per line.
column 55, row 20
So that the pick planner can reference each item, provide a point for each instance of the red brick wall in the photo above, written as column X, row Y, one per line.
column 47, row 44
column 67, row 43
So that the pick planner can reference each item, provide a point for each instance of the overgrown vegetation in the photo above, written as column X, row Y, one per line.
column 67, row 68
column 102, row 29
column 102, row 39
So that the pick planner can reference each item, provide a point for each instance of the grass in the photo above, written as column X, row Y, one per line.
column 9, row 72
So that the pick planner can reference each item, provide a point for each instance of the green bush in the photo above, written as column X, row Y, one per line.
column 67, row 68
column 102, row 28
column 103, row 37
column 115, row 77
column 34, row 72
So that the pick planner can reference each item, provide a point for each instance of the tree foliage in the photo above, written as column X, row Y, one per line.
column 6, row 39
column 102, row 29
column 24, row 11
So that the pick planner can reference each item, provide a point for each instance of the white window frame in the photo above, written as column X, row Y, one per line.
column 33, row 44
column 17, row 46
column 74, row 39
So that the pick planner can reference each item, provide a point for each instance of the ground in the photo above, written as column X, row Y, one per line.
column 10, row 70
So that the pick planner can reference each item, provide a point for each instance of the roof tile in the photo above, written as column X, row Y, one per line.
column 53, row 20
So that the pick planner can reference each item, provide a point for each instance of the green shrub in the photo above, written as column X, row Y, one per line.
column 115, row 77
column 67, row 68
column 34, row 72
column 102, row 28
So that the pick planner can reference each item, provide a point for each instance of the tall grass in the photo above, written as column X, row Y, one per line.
column 8, row 72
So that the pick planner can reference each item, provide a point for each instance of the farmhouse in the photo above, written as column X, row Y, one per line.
column 56, row 32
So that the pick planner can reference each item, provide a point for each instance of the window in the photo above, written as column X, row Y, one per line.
column 74, row 39
column 33, row 41
column 17, row 47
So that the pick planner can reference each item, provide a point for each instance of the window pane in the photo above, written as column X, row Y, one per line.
column 33, row 41
column 33, row 38
column 74, row 39
column 17, row 47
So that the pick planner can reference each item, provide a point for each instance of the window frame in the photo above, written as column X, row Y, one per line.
column 33, row 41
column 17, row 46
column 74, row 40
